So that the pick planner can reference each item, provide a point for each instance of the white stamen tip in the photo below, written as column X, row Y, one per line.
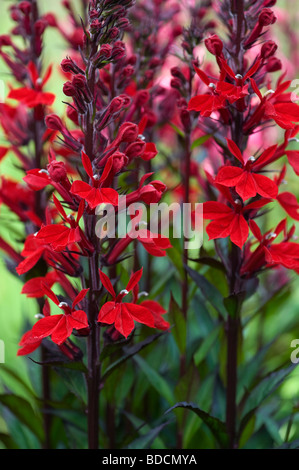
column 271, row 235
column 212, row 85
column 237, row 201
column 269, row 92
column 142, row 294
column 38, row 316
column 238, row 76
column 251, row 159
column 39, row 81
column 70, row 216
column 141, row 137
column 96, row 177
column 124, row 291
column 35, row 234
column 44, row 171
column 63, row 304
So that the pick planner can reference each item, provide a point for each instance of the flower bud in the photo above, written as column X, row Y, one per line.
column 128, row 132
column 135, row 149
column 115, row 105
column 118, row 51
column 105, row 52
column 57, row 171
column 274, row 64
column 69, row 66
column 69, row 89
column 142, row 97
column 268, row 49
column 54, row 122
column 25, row 7
column 40, row 26
column 214, row 45
column 266, row 17
column 50, row 19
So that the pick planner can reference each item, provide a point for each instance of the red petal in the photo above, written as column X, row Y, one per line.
column 134, row 279
column 246, row 186
column 234, row 149
column 229, row 176
column 107, row 283
column 80, row 297
column 239, row 231
column 45, row 326
column 265, row 187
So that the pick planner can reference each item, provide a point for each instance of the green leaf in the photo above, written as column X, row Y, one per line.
column 177, row 129
column 175, row 256
column 201, row 140
column 209, row 291
column 155, row 380
column 145, row 441
column 73, row 365
column 206, row 346
column 179, row 330
column 262, row 391
column 216, row 426
column 130, row 352
column 110, row 349
column 8, row 441
column 20, row 408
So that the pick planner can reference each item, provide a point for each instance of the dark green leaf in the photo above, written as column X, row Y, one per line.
column 155, row 379
column 209, row 291
column 179, row 330
column 128, row 353
column 19, row 407
column 216, row 426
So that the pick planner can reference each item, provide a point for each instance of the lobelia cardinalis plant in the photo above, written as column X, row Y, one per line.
column 118, row 114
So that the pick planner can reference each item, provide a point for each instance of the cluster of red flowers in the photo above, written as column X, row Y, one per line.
column 67, row 180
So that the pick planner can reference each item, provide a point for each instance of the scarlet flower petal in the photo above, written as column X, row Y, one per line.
column 45, row 326
column 229, row 176
column 265, row 187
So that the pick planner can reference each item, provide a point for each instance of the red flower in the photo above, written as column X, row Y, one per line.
column 59, row 236
column 60, row 327
column 221, row 90
column 93, row 194
column 33, row 97
column 123, row 315
column 268, row 253
column 247, row 182
column 229, row 221
column 275, row 105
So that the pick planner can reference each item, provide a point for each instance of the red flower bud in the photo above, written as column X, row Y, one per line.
column 142, row 97
column 214, row 45
column 105, row 52
column 69, row 89
column 25, row 7
column 50, row 19
column 116, row 105
column 266, row 17
column 273, row 64
column 128, row 132
column 54, row 122
column 69, row 66
column 40, row 26
column 135, row 149
column 5, row 40
column 268, row 49
column 57, row 171
column 79, row 81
